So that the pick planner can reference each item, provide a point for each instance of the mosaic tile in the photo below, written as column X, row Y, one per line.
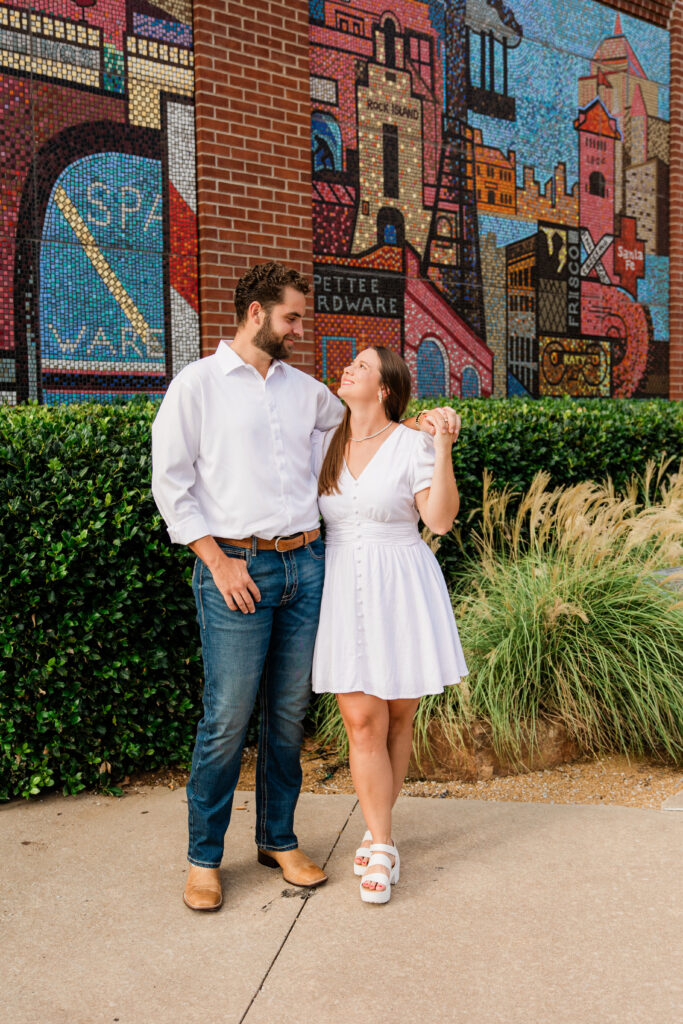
column 514, row 158
column 447, row 163
column 99, row 201
column 101, row 321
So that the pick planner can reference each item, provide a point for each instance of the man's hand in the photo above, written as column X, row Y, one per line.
column 229, row 574
column 442, row 420
column 235, row 584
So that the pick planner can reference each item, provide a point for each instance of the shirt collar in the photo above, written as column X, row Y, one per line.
column 229, row 360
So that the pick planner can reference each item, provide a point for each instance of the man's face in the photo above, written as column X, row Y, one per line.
column 282, row 327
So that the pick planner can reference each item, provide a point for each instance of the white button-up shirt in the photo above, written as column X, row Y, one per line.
column 231, row 451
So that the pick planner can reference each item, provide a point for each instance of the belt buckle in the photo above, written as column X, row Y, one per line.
column 291, row 536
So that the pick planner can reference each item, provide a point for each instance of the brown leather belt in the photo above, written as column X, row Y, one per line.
column 297, row 540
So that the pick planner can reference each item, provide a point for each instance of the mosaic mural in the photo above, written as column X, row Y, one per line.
column 98, row 236
column 490, row 194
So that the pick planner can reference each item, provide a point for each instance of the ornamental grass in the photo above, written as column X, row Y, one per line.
column 564, row 617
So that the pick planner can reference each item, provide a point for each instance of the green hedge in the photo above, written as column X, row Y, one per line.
column 101, row 670
column 571, row 440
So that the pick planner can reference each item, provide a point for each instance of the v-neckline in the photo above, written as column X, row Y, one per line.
column 372, row 457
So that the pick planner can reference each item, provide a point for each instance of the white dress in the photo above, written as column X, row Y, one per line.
column 386, row 622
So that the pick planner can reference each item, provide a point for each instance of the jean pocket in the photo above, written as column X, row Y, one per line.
column 316, row 550
column 232, row 552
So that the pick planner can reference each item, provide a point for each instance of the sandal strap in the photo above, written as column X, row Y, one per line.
column 379, row 858
column 383, row 848
column 364, row 851
column 376, row 877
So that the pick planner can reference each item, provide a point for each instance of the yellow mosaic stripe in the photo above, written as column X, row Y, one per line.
column 179, row 9
column 103, row 268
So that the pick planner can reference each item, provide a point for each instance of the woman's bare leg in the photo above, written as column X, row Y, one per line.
column 400, row 740
column 366, row 719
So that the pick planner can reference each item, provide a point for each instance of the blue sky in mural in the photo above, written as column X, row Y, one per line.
column 559, row 40
column 654, row 290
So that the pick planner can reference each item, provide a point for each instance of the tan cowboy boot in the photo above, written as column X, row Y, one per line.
column 203, row 889
column 297, row 868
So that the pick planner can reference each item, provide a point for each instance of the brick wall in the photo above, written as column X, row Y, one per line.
column 253, row 150
column 656, row 11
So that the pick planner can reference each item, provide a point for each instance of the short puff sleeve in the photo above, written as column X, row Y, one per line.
column 422, row 464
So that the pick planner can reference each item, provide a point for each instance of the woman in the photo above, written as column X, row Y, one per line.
column 387, row 635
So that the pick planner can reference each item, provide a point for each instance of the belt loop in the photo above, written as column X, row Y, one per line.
column 254, row 545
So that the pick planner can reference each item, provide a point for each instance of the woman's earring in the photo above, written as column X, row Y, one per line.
column 379, row 396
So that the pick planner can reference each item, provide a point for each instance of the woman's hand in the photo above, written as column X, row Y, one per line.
column 440, row 421
column 438, row 504
column 445, row 438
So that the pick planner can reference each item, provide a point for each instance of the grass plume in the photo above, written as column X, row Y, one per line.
column 566, row 618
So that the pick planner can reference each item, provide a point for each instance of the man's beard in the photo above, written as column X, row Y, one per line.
column 268, row 341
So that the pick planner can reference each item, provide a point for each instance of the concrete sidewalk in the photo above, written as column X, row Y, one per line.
column 506, row 913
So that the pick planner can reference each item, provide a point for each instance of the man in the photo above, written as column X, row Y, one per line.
column 232, row 477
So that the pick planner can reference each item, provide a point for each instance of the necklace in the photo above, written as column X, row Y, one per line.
column 359, row 439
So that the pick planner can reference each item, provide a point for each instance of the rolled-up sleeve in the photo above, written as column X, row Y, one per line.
column 330, row 411
column 176, row 433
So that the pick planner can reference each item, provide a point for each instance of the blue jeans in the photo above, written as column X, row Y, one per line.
column 268, row 655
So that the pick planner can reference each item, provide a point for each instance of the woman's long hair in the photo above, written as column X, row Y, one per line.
column 395, row 379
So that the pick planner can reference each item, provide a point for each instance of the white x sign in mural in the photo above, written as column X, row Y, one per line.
column 595, row 254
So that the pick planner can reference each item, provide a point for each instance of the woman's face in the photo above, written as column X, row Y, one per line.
column 361, row 379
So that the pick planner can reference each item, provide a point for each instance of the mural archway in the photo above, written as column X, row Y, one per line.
column 100, row 277
column 432, row 369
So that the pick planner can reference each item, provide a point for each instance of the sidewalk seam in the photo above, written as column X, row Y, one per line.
column 291, row 927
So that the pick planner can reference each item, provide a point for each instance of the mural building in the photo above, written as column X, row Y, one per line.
column 98, row 237
column 489, row 184
column 490, row 194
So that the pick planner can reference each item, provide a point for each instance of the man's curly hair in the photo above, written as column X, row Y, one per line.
column 265, row 284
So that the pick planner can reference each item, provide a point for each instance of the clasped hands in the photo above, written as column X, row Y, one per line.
column 442, row 423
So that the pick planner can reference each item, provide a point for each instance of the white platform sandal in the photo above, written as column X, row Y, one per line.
column 378, row 855
column 362, row 851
